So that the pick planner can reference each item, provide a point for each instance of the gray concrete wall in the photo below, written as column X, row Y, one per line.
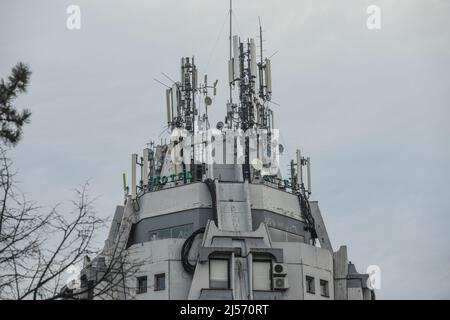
column 340, row 261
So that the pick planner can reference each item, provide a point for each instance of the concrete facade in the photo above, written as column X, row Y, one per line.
column 277, row 234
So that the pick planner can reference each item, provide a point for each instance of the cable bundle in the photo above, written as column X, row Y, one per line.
column 190, row 268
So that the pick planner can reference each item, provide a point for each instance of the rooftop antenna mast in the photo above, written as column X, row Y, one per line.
column 261, row 80
column 231, row 50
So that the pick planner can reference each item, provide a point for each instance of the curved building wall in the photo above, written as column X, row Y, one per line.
column 177, row 212
column 179, row 225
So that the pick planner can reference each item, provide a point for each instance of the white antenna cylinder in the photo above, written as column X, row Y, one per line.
column 236, row 68
column 252, row 57
column 133, row 175
column 268, row 76
column 308, row 168
column 145, row 167
column 168, row 100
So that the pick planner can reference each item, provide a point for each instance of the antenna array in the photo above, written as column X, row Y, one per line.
column 181, row 97
column 253, row 79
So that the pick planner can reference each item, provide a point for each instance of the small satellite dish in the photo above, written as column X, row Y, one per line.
column 219, row 125
column 280, row 148
column 257, row 164
column 208, row 101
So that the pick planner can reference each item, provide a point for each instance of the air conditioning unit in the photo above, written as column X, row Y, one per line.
column 279, row 269
column 280, row 283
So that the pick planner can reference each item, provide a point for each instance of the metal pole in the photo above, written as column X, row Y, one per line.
column 231, row 34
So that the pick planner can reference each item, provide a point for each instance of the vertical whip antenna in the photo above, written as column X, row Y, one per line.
column 260, row 39
column 261, row 63
column 230, row 39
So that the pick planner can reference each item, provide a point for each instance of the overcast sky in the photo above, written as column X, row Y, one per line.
column 371, row 108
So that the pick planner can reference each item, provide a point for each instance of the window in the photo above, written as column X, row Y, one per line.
column 177, row 232
column 153, row 235
column 182, row 232
column 141, row 284
column 262, row 278
column 278, row 235
column 291, row 237
column 310, row 288
column 324, row 291
column 160, row 282
column 218, row 274
column 160, row 234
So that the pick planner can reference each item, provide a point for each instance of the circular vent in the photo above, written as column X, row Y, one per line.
column 278, row 268
column 279, row 283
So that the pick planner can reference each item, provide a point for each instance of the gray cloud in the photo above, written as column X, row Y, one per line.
column 370, row 107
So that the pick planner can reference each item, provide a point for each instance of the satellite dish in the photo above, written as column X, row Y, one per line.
column 219, row 125
column 257, row 164
column 280, row 148
column 208, row 101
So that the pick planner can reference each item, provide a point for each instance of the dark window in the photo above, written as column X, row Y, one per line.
column 324, row 291
column 160, row 282
column 160, row 234
column 153, row 235
column 141, row 285
column 176, row 232
column 310, row 288
column 182, row 232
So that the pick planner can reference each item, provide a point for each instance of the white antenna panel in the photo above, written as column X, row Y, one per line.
column 268, row 76
column 215, row 87
column 308, row 168
column 194, row 78
column 229, row 108
column 133, row 175
column 230, row 71
column 168, row 103
column 236, row 70
column 252, row 57
column 258, row 114
column 176, row 97
column 182, row 70
column 145, row 167
column 299, row 167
